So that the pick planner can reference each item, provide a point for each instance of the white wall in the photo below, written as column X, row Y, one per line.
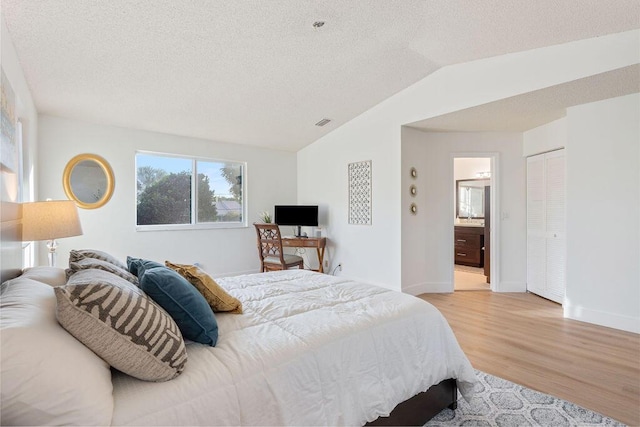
column 548, row 137
column 25, row 111
column 427, row 238
column 11, row 258
column 374, row 253
column 603, row 213
column 366, row 252
column 271, row 179
column 468, row 167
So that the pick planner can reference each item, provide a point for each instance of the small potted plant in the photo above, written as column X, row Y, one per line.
column 265, row 217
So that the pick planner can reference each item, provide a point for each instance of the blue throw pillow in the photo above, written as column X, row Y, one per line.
column 183, row 302
column 137, row 266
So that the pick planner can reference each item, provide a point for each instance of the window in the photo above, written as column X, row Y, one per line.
column 188, row 192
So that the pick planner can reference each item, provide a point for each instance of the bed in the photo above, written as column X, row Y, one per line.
column 309, row 349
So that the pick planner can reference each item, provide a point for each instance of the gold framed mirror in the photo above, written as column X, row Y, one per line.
column 88, row 180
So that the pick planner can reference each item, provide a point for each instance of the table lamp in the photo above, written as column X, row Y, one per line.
column 50, row 220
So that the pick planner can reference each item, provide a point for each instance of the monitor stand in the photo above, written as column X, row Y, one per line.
column 299, row 232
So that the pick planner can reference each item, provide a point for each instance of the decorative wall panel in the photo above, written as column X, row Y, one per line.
column 360, row 193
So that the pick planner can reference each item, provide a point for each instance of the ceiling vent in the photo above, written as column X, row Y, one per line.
column 323, row 122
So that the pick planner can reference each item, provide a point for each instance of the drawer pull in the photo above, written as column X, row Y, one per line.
column 461, row 240
column 458, row 253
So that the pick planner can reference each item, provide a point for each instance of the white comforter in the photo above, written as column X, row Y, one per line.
column 310, row 349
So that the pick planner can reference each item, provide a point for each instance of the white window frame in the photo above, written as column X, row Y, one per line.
column 194, row 203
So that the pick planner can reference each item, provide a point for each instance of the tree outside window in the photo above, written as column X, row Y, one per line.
column 166, row 186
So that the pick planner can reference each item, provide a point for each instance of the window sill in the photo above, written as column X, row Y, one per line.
column 184, row 227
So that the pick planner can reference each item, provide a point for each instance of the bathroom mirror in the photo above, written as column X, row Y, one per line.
column 470, row 198
column 88, row 180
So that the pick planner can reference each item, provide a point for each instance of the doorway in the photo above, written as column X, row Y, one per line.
column 472, row 223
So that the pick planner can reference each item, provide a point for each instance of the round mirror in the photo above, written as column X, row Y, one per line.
column 88, row 180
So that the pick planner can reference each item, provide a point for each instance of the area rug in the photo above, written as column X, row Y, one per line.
column 499, row 402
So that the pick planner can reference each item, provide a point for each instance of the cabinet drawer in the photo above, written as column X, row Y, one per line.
column 308, row 242
column 473, row 241
column 300, row 243
column 467, row 256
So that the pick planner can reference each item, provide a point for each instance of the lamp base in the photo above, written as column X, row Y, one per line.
column 52, row 245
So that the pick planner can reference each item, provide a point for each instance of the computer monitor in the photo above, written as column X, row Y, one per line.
column 296, row 215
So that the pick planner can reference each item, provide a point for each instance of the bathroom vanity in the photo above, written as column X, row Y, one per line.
column 468, row 245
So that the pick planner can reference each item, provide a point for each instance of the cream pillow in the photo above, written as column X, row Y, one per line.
column 216, row 296
column 48, row 377
column 53, row 276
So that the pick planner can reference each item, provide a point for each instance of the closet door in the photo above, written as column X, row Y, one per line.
column 546, row 242
column 536, row 235
column 555, row 220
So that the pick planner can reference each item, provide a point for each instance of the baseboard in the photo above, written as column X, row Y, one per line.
column 602, row 318
column 512, row 287
column 428, row 288
column 444, row 287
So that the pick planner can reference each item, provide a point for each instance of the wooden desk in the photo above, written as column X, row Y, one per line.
column 308, row 242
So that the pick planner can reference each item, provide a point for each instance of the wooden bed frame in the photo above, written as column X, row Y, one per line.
column 419, row 409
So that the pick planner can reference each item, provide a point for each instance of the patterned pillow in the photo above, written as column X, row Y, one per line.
column 77, row 255
column 94, row 263
column 122, row 325
column 216, row 296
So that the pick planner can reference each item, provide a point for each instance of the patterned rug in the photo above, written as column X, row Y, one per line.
column 499, row 402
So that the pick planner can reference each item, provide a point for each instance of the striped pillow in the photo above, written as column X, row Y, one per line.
column 94, row 263
column 76, row 255
column 122, row 325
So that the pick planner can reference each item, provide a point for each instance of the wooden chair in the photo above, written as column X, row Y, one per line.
column 270, row 249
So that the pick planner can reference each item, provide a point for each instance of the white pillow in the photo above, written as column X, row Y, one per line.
column 53, row 276
column 48, row 377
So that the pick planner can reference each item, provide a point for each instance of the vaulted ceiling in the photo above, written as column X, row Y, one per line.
column 261, row 73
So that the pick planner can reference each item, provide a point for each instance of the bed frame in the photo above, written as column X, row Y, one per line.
column 419, row 409
column 415, row 411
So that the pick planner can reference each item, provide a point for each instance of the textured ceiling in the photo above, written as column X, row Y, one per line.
column 257, row 72
column 524, row 112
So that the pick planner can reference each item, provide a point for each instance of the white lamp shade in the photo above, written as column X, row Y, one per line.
column 50, row 220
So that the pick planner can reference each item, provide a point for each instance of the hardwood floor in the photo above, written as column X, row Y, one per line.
column 524, row 338
column 464, row 281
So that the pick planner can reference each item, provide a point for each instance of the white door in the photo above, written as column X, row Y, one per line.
column 555, row 222
column 546, row 241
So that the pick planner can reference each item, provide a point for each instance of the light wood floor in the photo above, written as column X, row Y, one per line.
column 524, row 338
column 463, row 281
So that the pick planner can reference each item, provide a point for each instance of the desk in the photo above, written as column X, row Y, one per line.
column 308, row 242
